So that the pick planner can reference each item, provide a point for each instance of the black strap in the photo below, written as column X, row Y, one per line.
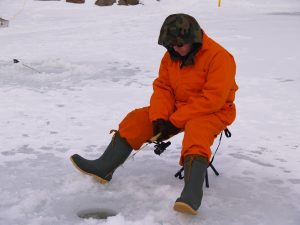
column 228, row 135
column 179, row 174
column 212, row 159
column 227, row 132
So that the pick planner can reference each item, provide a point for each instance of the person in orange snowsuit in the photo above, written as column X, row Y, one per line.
column 194, row 93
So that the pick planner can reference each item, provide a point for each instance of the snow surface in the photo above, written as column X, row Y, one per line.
column 96, row 65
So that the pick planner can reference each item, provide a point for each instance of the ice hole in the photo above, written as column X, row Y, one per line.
column 100, row 214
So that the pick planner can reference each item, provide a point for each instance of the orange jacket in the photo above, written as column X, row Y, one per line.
column 207, row 87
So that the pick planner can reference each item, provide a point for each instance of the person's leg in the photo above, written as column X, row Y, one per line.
column 198, row 137
column 134, row 130
column 136, row 127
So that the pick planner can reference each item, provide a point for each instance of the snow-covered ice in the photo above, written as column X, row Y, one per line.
column 96, row 65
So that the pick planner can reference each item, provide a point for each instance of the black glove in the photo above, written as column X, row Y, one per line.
column 165, row 127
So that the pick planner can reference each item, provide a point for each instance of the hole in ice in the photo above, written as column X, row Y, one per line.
column 285, row 13
column 100, row 214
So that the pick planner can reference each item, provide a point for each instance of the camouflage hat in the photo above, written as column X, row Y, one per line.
column 180, row 29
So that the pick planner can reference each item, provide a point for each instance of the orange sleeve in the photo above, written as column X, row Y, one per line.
column 220, row 80
column 162, row 102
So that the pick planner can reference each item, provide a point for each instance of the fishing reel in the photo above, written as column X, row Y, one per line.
column 160, row 146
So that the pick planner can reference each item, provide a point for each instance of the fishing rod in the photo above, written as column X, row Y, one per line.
column 29, row 67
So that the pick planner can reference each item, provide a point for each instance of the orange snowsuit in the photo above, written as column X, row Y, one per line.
column 198, row 99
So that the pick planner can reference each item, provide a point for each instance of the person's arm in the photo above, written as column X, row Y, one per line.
column 162, row 102
column 219, row 81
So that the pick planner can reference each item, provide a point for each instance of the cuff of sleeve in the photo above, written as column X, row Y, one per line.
column 177, row 123
column 152, row 118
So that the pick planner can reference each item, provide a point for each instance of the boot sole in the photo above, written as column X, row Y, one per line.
column 184, row 208
column 99, row 179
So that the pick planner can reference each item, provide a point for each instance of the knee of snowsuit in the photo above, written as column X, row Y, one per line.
column 199, row 133
column 136, row 127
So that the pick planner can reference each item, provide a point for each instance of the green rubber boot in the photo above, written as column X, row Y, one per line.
column 194, row 174
column 103, row 168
